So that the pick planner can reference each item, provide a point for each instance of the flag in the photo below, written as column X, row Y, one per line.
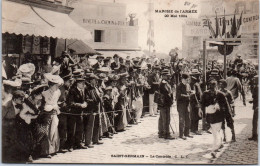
column 239, row 26
column 150, row 33
column 212, row 32
column 233, row 31
column 217, row 27
column 224, row 26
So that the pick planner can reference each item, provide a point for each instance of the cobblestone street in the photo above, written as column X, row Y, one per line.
column 142, row 140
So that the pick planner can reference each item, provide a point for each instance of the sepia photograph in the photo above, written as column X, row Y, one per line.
column 130, row 82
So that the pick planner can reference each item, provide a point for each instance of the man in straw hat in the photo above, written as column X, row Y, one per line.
column 92, row 120
column 77, row 103
column 183, row 102
column 164, row 100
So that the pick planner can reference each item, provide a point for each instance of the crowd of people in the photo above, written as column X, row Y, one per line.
column 74, row 105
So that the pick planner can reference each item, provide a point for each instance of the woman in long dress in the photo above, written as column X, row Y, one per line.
column 47, row 127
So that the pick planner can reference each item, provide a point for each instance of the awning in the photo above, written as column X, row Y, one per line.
column 28, row 20
column 79, row 46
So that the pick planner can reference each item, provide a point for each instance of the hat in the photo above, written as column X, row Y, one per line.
column 18, row 94
column 77, row 73
column 79, row 79
column 157, row 67
column 26, row 81
column 102, row 76
column 100, row 56
column 38, row 89
column 54, row 78
column 67, row 77
column 92, row 76
column 106, row 59
column 114, row 78
column 123, row 75
column 224, row 82
column 108, row 88
column 104, row 69
column 26, row 68
column 185, row 75
column 195, row 72
column 115, row 56
column 16, row 83
column 165, row 72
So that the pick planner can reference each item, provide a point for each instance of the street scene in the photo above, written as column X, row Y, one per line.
column 130, row 82
column 192, row 151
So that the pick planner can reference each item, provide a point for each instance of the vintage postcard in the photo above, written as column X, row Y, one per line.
column 130, row 81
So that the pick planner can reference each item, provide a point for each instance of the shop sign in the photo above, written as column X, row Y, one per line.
column 104, row 22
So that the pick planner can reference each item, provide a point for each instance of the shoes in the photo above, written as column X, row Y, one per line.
column 70, row 149
column 30, row 159
column 115, row 132
column 62, row 151
column 169, row 137
column 189, row 136
column 80, row 147
column 89, row 146
column 98, row 143
column 213, row 154
column 48, row 156
column 197, row 133
column 128, row 126
column 100, row 138
column 183, row 137
column 252, row 138
column 161, row 136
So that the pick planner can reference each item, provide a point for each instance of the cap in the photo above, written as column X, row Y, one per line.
column 102, row 76
column 18, row 93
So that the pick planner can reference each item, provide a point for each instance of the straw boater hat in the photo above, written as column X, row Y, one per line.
column 195, row 72
column 67, row 77
column 92, row 76
column 166, row 72
column 108, row 88
column 54, row 78
column 104, row 70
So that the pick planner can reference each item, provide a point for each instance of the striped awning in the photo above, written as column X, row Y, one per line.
column 28, row 20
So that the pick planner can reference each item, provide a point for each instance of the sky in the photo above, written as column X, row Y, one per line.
column 167, row 31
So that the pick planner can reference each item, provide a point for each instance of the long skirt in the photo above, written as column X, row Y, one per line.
column 47, row 135
column 122, row 120
column 138, row 104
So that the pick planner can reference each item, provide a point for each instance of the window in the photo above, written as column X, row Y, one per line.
column 99, row 36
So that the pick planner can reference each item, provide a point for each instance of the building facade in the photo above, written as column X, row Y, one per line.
column 194, row 30
column 111, row 27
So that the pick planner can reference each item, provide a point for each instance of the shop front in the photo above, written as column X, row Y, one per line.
column 31, row 31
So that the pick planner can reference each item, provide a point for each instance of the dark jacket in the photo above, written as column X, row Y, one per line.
column 182, row 95
column 75, row 99
column 93, row 100
column 166, row 92
column 152, row 78
column 208, row 99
